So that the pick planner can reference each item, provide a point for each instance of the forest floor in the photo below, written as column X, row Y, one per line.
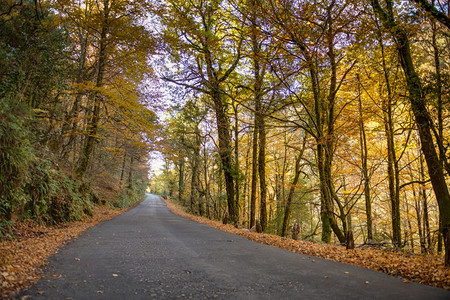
column 22, row 258
column 425, row 269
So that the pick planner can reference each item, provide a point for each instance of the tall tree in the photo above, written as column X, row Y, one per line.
column 203, row 32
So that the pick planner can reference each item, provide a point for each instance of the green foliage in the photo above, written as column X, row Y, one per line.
column 129, row 196
column 16, row 155
column 30, row 187
column 35, row 64
column 45, row 85
column 56, row 196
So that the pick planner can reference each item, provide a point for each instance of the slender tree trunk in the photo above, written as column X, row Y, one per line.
column 408, row 222
column 439, row 105
column 236, row 161
column 130, row 173
column 287, row 210
column 97, row 97
column 330, row 138
column 393, row 172
column 207, row 183
column 71, row 120
column 262, row 173
column 257, row 156
column 418, row 209
column 245, row 196
column 426, row 221
column 122, row 173
column 196, row 172
column 438, row 90
column 365, row 171
column 254, row 174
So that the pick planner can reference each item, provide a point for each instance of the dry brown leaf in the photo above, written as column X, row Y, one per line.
column 21, row 259
column 426, row 269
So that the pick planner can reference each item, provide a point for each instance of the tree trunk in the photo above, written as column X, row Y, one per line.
column 236, row 161
column 97, row 96
column 122, row 173
column 439, row 105
column 258, row 157
column 225, row 151
column 195, row 172
column 365, row 171
column 393, row 173
column 426, row 221
column 207, row 183
column 254, row 174
column 287, row 210
column 440, row 135
column 71, row 119
column 330, row 138
column 130, row 173
column 262, row 172
column 418, row 209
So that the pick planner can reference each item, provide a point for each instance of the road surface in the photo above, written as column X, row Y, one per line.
column 150, row 253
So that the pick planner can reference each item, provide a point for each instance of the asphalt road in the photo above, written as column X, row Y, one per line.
column 150, row 253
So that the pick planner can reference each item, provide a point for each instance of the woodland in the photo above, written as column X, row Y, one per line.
column 325, row 121
column 75, row 122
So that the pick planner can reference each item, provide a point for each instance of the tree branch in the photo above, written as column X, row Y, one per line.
column 413, row 182
column 431, row 9
column 177, row 82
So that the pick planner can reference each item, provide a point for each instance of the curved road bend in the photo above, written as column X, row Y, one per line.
column 150, row 253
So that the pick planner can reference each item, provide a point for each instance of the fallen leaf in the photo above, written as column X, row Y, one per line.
column 22, row 258
column 115, row 275
column 326, row 276
column 99, row 292
column 346, row 272
column 367, row 282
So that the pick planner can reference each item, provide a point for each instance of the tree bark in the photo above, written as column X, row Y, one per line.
column 97, row 96
column 225, row 151
column 392, row 166
column 365, row 171
column 257, row 156
column 236, row 160
column 195, row 172
column 262, row 172
column 254, row 174
column 287, row 209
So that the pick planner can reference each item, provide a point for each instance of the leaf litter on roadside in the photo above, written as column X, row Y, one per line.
column 426, row 269
column 21, row 259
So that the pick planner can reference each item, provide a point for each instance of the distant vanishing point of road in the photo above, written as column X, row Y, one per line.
column 150, row 253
